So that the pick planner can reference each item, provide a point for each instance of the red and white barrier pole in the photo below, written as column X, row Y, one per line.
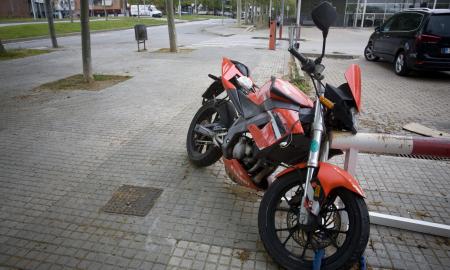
column 393, row 144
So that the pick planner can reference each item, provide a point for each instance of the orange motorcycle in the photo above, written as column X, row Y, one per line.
column 312, row 207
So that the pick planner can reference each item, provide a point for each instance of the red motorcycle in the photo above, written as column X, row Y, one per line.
column 312, row 207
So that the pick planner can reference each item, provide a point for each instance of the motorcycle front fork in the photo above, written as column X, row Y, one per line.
column 310, row 205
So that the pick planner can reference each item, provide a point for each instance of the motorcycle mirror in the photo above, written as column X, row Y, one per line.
column 323, row 16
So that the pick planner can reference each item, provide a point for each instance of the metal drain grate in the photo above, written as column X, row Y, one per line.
column 132, row 200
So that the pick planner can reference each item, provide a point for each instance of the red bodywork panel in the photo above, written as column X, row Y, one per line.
column 238, row 174
column 286, row 88
column 331, row 177
column 229, row 70
column 293, row 168
column 265, row 136
column 353, row 77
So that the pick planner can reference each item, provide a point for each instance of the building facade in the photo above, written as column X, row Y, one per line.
column 61, row 8
column 375, row 12
column 370, row 13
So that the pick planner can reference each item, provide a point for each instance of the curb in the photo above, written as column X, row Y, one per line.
column 333, row 56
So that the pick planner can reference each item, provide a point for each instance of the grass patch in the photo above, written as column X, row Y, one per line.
column 21, row 53
column 38, row 30
column 296, row 79
column 77, row 82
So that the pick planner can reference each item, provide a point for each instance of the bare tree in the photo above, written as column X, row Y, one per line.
column 2, row 48
column 171, row 26
column 86, row 42
column 51, row 25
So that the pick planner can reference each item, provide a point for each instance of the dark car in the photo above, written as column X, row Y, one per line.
column 416, row 39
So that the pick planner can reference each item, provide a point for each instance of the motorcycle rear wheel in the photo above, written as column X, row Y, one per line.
column 343, row 233
column 205, row 153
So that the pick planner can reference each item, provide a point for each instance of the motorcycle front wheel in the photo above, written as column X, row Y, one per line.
column 342, row 231
column 201, row 150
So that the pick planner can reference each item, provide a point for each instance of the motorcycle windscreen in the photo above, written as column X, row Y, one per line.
column 353, row 77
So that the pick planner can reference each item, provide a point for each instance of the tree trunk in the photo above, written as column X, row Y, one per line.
column 51, row 25
column 239, row 12
column 139, row 12
column 2, row 48
column 171, row 26
column 86, row 42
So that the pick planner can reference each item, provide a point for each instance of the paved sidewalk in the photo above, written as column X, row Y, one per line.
column 62, row 155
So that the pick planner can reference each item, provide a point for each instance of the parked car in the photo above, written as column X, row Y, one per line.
column 145, row 10
column 414, row 39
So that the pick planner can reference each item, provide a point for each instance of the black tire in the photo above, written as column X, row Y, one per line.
column 345, row 256
column 401, row 64
column 209, row 155
column 368, row 53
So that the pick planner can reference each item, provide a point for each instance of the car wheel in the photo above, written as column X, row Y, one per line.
column 401, row 65
column 368, row 53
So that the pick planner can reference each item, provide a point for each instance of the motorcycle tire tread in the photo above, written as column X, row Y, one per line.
column 214, row 153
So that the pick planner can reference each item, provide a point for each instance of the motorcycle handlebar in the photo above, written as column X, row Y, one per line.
column 308, row 65
column 303, row 59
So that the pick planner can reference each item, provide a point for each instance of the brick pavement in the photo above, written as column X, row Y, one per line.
column 62, row 155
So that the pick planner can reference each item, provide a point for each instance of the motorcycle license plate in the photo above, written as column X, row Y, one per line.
column 445, row 50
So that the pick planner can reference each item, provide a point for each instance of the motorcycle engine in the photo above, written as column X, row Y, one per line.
column 256, row 168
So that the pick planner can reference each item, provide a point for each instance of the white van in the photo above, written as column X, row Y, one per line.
column 145, row 10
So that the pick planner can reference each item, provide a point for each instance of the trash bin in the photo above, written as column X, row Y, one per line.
column 140, row 33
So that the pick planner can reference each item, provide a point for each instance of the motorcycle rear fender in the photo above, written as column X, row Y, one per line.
column 331, row 177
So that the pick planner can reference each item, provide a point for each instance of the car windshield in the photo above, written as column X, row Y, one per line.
column 439, row 24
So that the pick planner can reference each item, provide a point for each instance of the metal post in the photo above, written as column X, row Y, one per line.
column 33, row 10
column 434, row 4
column 355, row 19
column 363, row 14
column 299, row 6
column 351, row 156
column 270, row 11
column 281, row 19
column 410, row 224
column 70, row 11
column 179, row 8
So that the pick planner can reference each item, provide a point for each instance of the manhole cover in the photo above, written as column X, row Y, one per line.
column 132, row 200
